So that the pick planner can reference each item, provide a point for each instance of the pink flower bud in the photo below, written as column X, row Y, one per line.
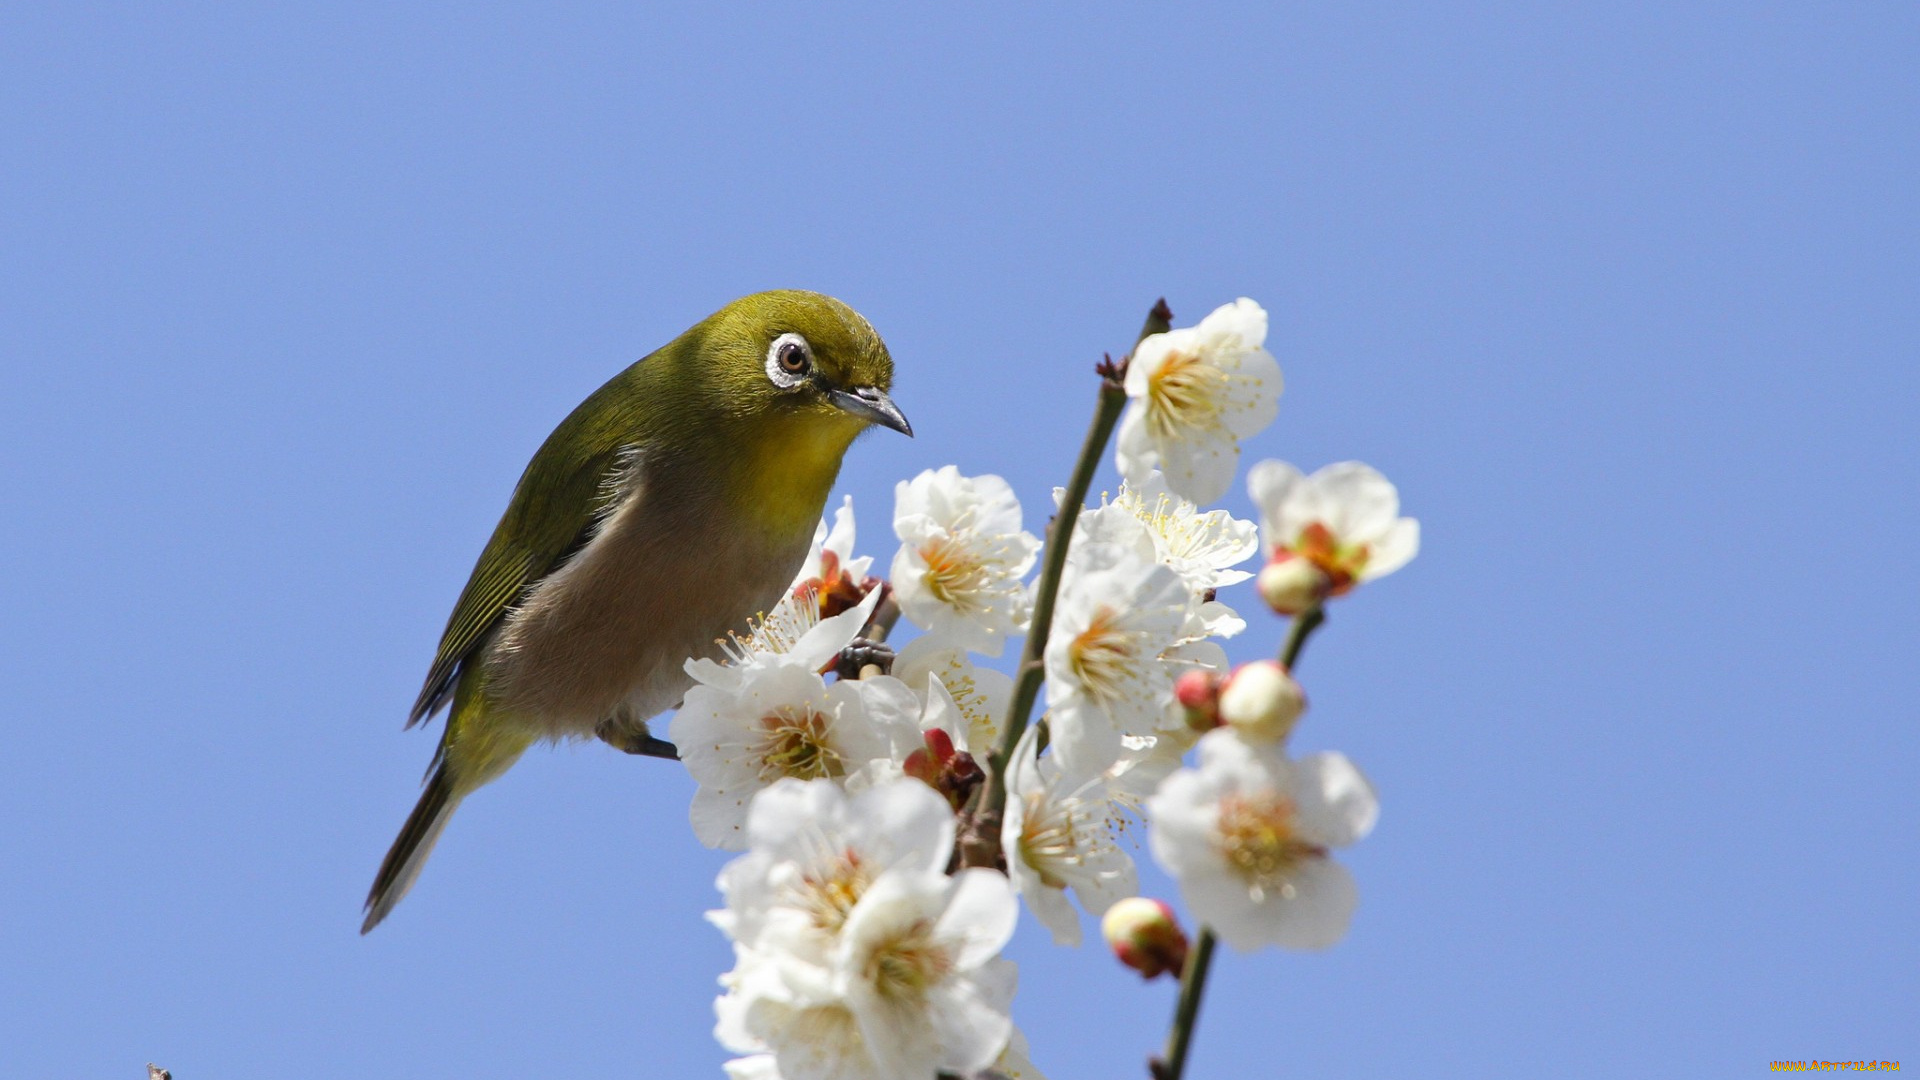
column 1145, row 936
column 1291, row 584
column 943, row 768
column 1262, row 702
column 1198, row 692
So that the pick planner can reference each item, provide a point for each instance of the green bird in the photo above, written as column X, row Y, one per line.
column 664, row 512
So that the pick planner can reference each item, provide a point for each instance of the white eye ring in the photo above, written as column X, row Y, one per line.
column 789, row 360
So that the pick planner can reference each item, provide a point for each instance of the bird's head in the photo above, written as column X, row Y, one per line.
column 773, row 388
column 799, row 360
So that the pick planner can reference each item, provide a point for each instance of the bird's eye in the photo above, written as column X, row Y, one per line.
column 793, row 357
column 788, row 360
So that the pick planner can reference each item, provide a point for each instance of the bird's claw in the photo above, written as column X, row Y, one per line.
column 641, row 742
column 862, row 653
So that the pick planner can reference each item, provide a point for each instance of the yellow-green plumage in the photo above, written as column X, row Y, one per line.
column 672, row 505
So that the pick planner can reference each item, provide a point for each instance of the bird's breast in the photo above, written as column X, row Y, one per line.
column 664, row 577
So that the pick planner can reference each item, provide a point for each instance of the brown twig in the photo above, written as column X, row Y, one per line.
column 980, row 836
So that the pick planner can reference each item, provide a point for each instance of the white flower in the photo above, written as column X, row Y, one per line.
column 781, row 719
column 920, row 967
column 856, row 957
column 814, row 849
column 1345, row 519
column 962, row 555
column 791, row 635
column 1196, row 393
column 1202, row 548
column 980, row 694
column 1106, row 676
column 1248, row 835
column 1056, row 835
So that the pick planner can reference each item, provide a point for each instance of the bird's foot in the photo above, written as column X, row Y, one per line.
column 627, row 739
column 862, row 654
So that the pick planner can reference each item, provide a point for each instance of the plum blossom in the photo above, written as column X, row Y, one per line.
column 961, row 559
column 1248, row 835
column 779, row 720
column 1343, row 522
column 857, row 958
column 1056, row 835
column 813, row 848
column 981, row 695
column 793, row 634
column 1203, row 548
column 1196, row 392
column 1107, row 675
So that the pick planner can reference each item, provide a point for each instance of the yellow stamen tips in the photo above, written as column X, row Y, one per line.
column 1255, row 835
column 906, row 967
column 795, row 744
column 776, row 631
column 1184, row 395
column 1184, row 532
column 828, row 896
column 1104, row 655
column 956, row 575
column 982, row 726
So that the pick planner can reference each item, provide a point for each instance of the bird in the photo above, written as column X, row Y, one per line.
column 669, row 508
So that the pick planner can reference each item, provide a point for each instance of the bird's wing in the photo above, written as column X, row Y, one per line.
column 554, row 512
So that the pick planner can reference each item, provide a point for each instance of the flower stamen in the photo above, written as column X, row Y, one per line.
column 795, row 743
column 1104, row 655
column 904, row 968
column 829, row 894
column 1256, row 836
column 956, row 574
column 1184, row 394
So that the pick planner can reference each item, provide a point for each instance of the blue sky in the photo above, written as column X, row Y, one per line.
column 1621, row 295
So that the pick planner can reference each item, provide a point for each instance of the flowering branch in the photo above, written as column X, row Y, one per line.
column 883, row 868
column 1193, row 977
column 980, row 840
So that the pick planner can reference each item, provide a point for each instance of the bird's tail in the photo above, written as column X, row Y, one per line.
column 409, row 852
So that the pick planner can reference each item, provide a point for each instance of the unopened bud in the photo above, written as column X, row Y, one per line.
column 1145, row 936
column 1198, row 692
column 1291, row 584
column 1262, row 702
column 943, row 768
column 930, row 760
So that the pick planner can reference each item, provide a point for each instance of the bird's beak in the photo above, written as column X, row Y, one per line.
column 872, row 404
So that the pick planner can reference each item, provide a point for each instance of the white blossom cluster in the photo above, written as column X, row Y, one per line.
column 857, row 953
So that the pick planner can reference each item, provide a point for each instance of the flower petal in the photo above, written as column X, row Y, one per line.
column 1200, row 468
column 1360, row 503
column 1337, row 804
column 1394, row 549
